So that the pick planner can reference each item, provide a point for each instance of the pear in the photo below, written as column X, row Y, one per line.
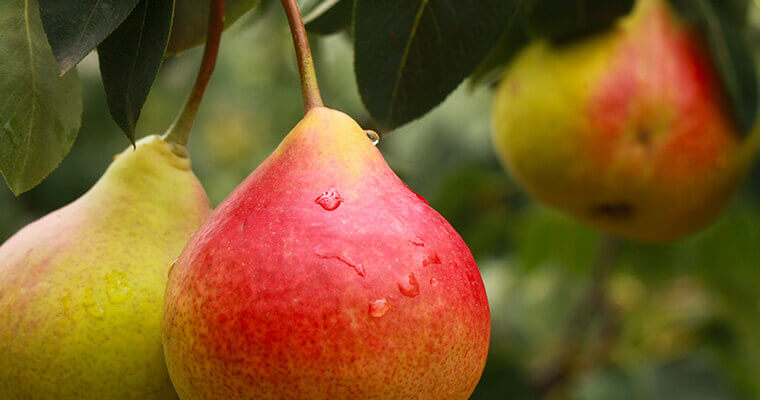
column 81, row 289
column 627, row 130
column 324, row 277
column 190, row 23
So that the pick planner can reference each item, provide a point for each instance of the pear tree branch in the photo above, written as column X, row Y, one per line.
column 179, row 132
column 595, row 304
column 309, row 87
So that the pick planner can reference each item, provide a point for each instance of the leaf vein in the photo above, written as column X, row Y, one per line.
column 87, row 23
column 33, row 81
column 405, row 57
column 133, row 67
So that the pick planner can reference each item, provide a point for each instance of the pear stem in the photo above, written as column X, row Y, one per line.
column 309, row 87
column 595, row 305
column 179, row 132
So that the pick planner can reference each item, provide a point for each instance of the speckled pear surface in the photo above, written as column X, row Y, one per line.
column 190, row 23
column 81, row 289
column 324, row 277
column 627, row 130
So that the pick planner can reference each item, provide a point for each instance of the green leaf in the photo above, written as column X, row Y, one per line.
column 736, row 10
column 40, row 112
column 410, row 55
column 732, row 241
column 130, row 59
column 573, row 245
column 561, row 20
column 723, row 30
column 190, row 24
column 509, row 45
column 330, row 16
column 76, row 27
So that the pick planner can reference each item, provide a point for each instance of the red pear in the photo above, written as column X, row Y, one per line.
column 324, row 277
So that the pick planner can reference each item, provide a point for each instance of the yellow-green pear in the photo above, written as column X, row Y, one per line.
column 81, row 289
column 628, row 130
column 191, row 21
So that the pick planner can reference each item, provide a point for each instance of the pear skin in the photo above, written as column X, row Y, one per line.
column 324, row 277
column 81, row 289
column 627, row 130
column 190, row 24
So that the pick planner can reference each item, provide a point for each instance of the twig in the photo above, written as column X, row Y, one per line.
column 179, row 132
column 593, row 304
column 309, row 87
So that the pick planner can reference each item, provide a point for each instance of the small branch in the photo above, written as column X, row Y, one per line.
column 592, row 305
column 309, row 87
column 179, row 132
column 609, row 331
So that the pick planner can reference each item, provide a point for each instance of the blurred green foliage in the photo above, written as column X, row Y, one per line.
column 687, row 315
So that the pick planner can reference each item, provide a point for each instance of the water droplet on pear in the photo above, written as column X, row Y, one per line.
column 355, row 266
column 171, row 267
column 329, row 200
column 378, row 308
column 431, row 259
column 373, row 136
column 409, row 287
column 91, row 305
column 117, row 287
column 67, row 305
column 422, row 199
